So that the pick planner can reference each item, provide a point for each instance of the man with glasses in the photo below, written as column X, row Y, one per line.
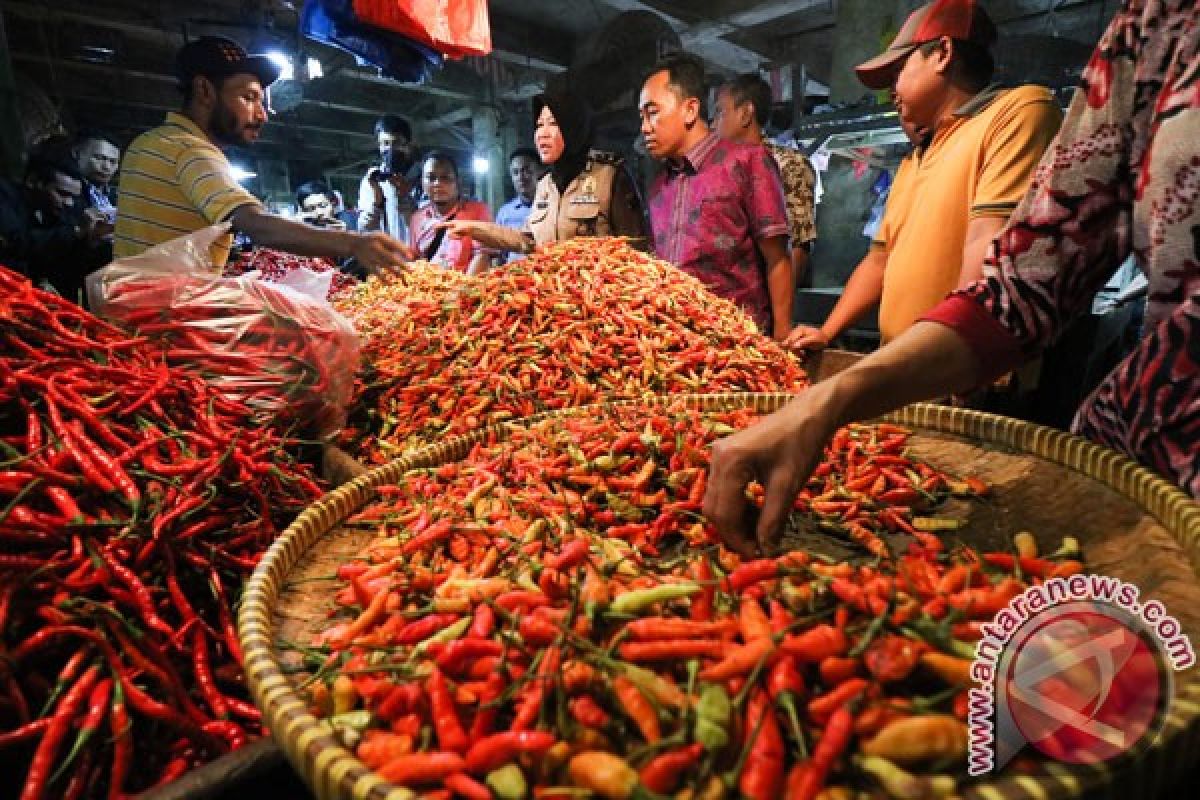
column 977, row 147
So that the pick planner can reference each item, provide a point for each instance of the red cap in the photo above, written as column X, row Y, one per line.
column 964, row 20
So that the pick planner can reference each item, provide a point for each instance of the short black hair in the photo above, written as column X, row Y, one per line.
column 310, row 188
column 442, row 156
column 973, row 62
column 525, row 152
column 751, row 88
column 43, row 167
column 86, row 135
column 390, row 123
column 685, row 74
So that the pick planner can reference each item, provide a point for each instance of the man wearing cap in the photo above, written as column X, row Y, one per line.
column 977, row 150
column 175, row 180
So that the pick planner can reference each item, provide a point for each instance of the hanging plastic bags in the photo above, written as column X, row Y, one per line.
column 333, row 22
column 455, row 28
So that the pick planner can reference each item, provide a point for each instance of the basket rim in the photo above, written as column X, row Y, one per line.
column 335, row 773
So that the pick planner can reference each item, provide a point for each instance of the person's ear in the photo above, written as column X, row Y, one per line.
column 691, row 111
column 204, row 90
column 943, row 55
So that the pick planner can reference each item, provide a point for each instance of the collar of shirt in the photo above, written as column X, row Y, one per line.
column 980, row 101
column 185, row 122
column 518, row 202
column 431, row 210
column 693, row 160
column 966, row 111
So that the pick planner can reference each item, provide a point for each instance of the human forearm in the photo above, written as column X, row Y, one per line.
column 781, row 288
column 981, row 232
column 269, row 230
column 781, row 451
column 498, row 237
column 861, row 294
column 928, row 360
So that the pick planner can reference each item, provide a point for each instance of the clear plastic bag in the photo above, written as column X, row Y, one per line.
column 286, row 353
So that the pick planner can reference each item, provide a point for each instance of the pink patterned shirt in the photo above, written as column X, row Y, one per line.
column 707, row 211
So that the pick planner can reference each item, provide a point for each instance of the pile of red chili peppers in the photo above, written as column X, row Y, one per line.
column 553, row 612
column 134, row 502
column 273, row 266
column 576, row 321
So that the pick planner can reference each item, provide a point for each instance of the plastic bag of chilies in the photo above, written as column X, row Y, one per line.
column 290, row 357
column 333, row 22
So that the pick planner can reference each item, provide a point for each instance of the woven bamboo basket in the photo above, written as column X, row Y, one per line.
column 1132, row 525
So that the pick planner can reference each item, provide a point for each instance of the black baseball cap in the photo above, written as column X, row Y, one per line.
column 218, row 57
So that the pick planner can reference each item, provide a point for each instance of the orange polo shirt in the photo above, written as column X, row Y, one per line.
column 980, row 163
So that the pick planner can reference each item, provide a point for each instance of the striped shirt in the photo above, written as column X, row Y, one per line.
column 174, row 181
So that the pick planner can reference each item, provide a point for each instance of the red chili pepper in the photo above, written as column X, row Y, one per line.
column 587, row 711
column 38, row 775
column 421, row 629
column 571, row 555
column 483, row 623
column 638, row 708
column 701, row 608
column 816, row 644
column 422, row 768
column 656, row 628
column 830, row 747
column 531, row 703
column 450, row 733
column 892, row 658
column 826, row 704
column 521, row 599
column 496, row 750
column 204, row 676
column 455, row 654
column 465, row 786
column 750, row 573
column 662, row 773
column 762, row 773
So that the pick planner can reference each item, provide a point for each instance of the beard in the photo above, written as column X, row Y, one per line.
column 228, row 130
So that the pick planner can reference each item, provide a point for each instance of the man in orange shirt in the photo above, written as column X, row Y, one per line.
column 955, row 192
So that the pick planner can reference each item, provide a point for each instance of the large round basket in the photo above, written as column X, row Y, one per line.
column 1132, row 525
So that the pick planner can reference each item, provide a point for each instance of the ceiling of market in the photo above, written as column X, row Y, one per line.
column 108, row 65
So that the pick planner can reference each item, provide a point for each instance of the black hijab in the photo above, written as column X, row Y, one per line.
column 575, row 122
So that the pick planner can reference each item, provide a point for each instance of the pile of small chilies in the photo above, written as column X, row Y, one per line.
column 576, row 321
column 553, row 611
column 134, row 502
column 274, row 265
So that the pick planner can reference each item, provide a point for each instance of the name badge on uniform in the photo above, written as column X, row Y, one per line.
column 587, row 192
column 541, row 204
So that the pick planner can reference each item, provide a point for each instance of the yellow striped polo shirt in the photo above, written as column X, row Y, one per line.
column 174, row 181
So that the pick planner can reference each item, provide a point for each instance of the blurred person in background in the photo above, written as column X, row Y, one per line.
column 42, row 231
column 742, row 110
column 316, row 205
column 391, row 191
column 445, row 204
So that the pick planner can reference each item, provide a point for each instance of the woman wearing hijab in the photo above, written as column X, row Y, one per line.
column 585, row 193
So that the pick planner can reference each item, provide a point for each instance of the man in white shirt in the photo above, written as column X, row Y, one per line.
column 388, row 194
